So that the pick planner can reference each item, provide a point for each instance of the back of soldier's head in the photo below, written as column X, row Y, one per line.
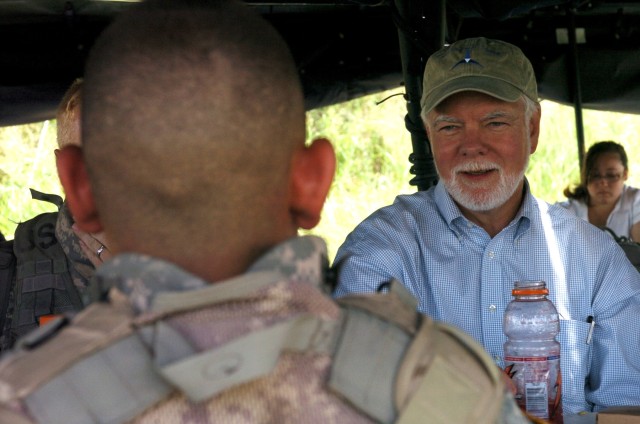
column 191, row 112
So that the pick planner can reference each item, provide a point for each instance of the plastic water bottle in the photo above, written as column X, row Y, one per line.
column 532, row 354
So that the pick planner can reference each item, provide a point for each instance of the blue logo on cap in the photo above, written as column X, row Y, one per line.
column 467, row 59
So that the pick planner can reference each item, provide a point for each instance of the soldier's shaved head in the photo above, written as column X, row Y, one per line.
column 192, row 112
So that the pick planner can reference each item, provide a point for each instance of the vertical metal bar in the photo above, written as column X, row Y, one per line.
column 574, row 77
column 411, row 17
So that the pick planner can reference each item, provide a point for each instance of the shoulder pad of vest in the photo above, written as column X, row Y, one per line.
column 397, row 365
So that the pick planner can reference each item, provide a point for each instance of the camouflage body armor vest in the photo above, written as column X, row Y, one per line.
column 36, row 280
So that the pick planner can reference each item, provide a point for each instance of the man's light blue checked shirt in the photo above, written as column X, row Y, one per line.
column 462, row 276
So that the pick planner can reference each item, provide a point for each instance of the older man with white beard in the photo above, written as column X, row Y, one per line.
column 460, row 246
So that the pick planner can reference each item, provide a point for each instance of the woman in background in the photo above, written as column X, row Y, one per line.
column 602, row 197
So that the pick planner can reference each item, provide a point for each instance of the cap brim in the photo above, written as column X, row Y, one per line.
column 492, row 86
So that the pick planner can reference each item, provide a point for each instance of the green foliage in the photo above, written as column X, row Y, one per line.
column 555, row 164
column 372, row 149
column 26, row 161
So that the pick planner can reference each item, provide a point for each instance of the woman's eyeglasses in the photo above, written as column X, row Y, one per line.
column 610, row 178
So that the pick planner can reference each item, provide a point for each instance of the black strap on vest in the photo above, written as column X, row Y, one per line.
column 7, row 281
column 46, row 197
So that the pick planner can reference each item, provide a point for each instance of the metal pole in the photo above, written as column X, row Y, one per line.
column 574, row 77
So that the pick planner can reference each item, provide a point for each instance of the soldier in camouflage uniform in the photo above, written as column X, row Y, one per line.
column 195, row 165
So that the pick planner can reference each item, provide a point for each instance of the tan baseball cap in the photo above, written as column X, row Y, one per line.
column 493, row 67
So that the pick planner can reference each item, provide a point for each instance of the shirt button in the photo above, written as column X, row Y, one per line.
column 492, row 308
column 492, row 254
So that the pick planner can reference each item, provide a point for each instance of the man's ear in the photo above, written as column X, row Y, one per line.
column 78, row 195
column 313, row 168
column 534, row 128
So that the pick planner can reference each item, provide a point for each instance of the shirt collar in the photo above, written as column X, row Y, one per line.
column 302, row 259
column 141, row 277
column 80, row 267
column 445, row 204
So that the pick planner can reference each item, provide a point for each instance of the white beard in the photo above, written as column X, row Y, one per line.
column 482, row 197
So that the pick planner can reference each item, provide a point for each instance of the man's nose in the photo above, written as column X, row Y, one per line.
column 472, row 143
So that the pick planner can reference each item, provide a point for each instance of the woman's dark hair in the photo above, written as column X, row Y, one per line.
column 596, row 149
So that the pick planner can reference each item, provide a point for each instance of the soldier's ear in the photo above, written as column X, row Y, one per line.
column 312, row 173
column 77, row 188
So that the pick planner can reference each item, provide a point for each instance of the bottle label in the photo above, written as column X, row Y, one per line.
column 538, row 382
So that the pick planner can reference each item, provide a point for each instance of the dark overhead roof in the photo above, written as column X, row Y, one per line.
column 346, row 49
